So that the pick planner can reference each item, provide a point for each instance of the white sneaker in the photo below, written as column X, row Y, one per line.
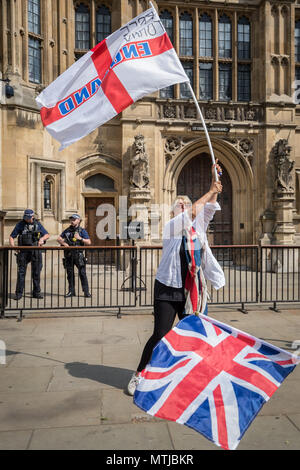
column 134, row 381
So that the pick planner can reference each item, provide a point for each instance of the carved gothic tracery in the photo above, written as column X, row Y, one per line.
column 245, row 147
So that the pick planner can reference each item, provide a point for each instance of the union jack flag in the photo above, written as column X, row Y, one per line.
column 212, row 378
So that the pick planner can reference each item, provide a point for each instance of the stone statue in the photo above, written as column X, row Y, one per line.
column 283, row 165
column 139, row 164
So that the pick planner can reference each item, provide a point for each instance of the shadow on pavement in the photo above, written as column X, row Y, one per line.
column 113, row 376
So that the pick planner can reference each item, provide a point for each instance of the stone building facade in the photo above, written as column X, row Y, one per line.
column 243, row 59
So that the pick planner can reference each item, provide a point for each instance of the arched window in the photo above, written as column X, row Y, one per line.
column 103, row 23
column 167, row 20
column 244, row 39
column 297, row 41
column 34, row 42
column 205, row 36
column 34, row 16
column 186, row 34
column 48, row 203
column 82, row 27
column 99, row 182
column 225, row 43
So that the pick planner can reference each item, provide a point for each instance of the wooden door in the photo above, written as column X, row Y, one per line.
column 92, row 220
column 194, row 181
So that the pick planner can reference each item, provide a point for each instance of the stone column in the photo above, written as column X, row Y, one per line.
column 139, row 193
column 283, row 204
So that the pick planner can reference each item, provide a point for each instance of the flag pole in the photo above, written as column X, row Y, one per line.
column 204, row 127
column 201, row 117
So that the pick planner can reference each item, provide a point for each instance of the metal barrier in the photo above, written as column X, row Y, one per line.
column 240, row 266
column 123, row 277
column 280, row 274
column 110, row 272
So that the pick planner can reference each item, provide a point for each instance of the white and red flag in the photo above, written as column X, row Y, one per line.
column 132, row 62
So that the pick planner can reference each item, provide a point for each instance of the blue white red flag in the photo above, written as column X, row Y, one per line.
column 132, row 62
column 212, row 378
column 195, row 285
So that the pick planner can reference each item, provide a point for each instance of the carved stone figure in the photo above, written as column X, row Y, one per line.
column 139, row 164
column 283, row 165
column 246, row 148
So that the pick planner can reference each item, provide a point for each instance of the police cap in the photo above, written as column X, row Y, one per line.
column 28, row 213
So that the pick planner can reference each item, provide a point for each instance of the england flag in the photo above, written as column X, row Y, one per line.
column 134, row 61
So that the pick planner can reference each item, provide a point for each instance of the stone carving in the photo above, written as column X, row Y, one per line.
column 172, row 145
column 250, row 115
column 169, row 111
column 283, row 165
column 245, row 147
column 229, row 114
column 190, row 112
column 212, row 111
column 139, row 164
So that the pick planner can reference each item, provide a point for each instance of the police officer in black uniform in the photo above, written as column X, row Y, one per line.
column 75, row 235
column 30, row 232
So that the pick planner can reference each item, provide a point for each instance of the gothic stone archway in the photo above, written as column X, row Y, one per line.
column 240, row 179
column 194, row 181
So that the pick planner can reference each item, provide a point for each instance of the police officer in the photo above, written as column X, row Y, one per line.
column 30, row 232
column 75, row 235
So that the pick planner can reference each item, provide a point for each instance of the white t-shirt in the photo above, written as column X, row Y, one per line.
column 169, row 270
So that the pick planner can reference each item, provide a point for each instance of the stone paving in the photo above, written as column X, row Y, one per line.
column 64, row 384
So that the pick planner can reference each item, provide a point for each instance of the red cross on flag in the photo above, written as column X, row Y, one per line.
column 134, row 61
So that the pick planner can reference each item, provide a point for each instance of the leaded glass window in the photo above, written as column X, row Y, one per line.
column 225, row 47
column 34, row 16
column 186, row 34
column 167, row 20
column 34, row 60
column 244, row 82
column 297, row 41
column 225, row 82
column 82, row 27
column 103, row 23
column 206, row 81
column 244, row 44
column 184, row 88
column 205, row 36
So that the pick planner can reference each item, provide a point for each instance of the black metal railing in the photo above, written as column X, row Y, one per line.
column 240, row 266
column 123, row 276
column 110, row 273
column 280, row 274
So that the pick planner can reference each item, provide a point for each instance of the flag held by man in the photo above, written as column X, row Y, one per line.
column 132, row 62
column 212, row 378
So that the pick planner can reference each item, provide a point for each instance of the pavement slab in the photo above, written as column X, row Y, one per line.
column 143, row 436
column 64, row 384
